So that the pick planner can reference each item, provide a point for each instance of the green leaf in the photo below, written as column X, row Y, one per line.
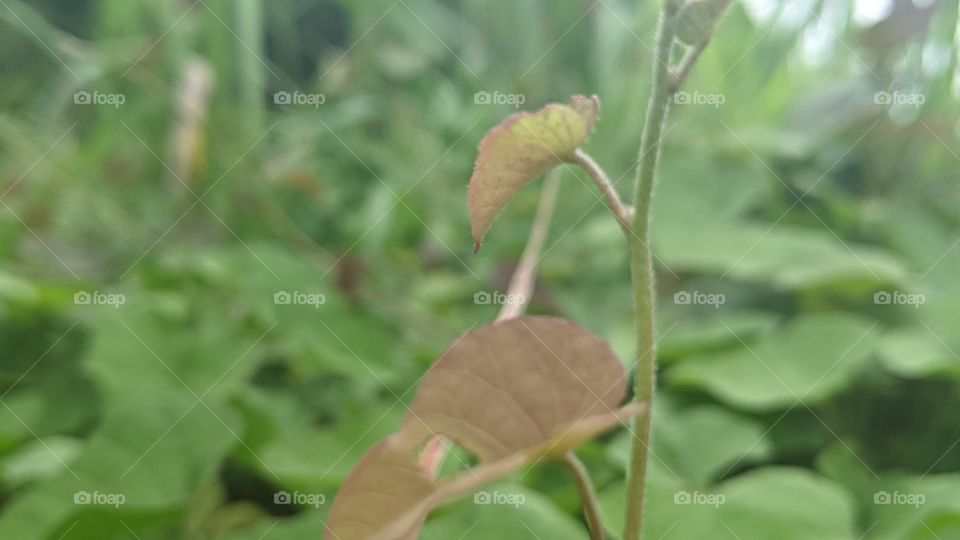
column 915, row 507
column 811, row 358
column 783, row 255
column 683, row 334
column 786, row 503
column 916, row 352
column 39, row 460
column 520, row 149
column 699, row 443
column 310, row 458
column 146, row 447
column 504, row 511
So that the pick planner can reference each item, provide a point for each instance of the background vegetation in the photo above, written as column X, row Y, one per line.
column 792, row 194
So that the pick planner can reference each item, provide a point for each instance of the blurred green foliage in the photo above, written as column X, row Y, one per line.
column 824, row 217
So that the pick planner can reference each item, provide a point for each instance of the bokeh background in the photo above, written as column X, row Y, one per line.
column 234, row 235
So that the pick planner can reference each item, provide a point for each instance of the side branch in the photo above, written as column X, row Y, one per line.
column 588, row 496
column 623, row 213
column 524, row 276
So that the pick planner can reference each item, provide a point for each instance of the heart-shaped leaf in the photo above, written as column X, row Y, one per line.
column 520, row 149
column 512, row 385
column 513, row 393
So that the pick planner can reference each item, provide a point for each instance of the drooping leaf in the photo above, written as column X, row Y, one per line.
column 387, row 483
column 522, row 148
column 512, row 385
column 513, row 393
column 408, row 522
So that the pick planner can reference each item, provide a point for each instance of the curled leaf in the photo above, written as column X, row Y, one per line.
column 698, row 19
column 520, row 149
column 513, row 393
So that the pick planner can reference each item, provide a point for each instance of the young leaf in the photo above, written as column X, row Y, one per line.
column 513, row 393
column 522, row 148
column 698, row 19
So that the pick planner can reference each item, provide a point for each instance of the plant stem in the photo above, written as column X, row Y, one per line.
column 680, row 74
column 624, row 214
column 641, row 269
column 524, row 276
column 588, row 497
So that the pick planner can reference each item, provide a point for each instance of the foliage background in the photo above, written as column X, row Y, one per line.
column 801, row 398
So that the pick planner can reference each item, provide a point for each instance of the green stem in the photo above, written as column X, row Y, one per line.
column 623, row 214
column 588, row 496
column 641, row 269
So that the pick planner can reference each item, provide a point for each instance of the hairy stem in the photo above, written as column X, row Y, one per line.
column 588, row 496
column 641, row 269
column 679, row 75
column 624, row 214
